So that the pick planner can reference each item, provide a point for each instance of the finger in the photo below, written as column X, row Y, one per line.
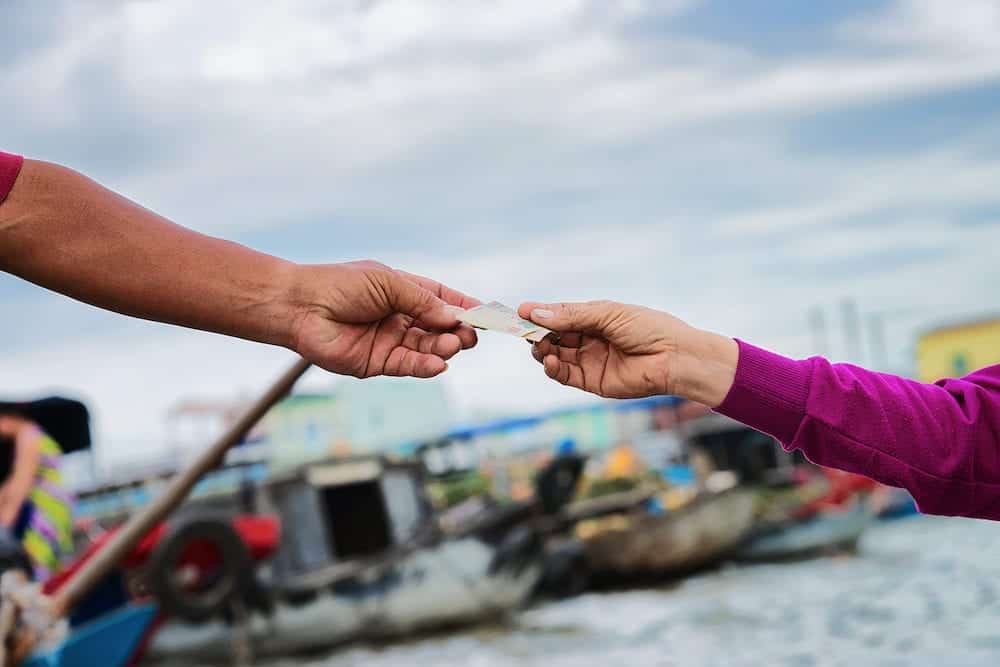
column 444, row 345
column 419, row 303
column 563, row 372
column 465, row 333
column 450, row 296
column 404, row 362
column 538, row 353
column 586, row 317
column 566, row 342
column 569, row 340
column 570, row 354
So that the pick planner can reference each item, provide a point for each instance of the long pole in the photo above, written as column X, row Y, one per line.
column 138, row 526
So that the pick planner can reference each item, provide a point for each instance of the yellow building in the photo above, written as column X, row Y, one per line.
column 958, row 349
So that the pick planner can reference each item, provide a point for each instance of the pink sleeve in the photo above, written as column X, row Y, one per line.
column 10, row 167
column 939, row 441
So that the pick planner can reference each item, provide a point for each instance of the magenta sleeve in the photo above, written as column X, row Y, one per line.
column 10, row 167
column 939, row 441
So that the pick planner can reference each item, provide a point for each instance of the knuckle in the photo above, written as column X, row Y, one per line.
column 370, row 264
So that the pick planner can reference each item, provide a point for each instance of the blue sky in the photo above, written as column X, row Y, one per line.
column 735, row 163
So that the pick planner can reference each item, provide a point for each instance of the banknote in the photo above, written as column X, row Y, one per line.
column 495, row 316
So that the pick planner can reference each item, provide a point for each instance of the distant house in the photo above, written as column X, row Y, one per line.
column 378, row 414
column 958, row 349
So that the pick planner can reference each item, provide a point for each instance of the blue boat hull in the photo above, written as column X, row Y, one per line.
column 821, row 534
column 109, row 641
column 901, row 506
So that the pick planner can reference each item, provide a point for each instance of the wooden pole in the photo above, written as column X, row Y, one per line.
column 140, row 523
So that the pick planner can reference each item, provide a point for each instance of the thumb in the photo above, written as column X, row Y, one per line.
column 409, row 298
column 589, row 316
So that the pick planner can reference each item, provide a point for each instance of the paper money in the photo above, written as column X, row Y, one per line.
column 495, row 316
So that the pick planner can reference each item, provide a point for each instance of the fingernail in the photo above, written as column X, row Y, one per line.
column 542, row 313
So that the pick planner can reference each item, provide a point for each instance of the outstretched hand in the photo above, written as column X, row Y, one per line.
column 366, row 319
column 621, row 351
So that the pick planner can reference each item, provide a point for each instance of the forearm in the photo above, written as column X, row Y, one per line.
column 27, row 459
column 62, row 231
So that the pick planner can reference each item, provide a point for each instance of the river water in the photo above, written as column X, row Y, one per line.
column 922, row 591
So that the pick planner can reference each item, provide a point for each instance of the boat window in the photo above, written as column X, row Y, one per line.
column 406, row 507
column 304, row 546
column 357, row 520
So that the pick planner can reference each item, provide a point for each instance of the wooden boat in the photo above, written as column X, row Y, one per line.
column 824, row 533
column 363, row 555
column 645, row 544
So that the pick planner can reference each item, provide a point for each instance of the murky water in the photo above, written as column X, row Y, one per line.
column 923, row 591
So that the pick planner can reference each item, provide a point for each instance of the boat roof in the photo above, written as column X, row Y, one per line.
column 346, row 470
column 519, row 423
column 712, row 423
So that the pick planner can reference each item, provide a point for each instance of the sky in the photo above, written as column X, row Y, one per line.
column 738, row 164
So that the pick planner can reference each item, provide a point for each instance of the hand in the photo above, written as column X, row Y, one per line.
column 620, row 351
column 366, row 319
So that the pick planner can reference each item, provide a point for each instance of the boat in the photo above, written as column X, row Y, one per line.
column 891, row 504
column 364, row 555
column 110, row 641
column 645, row 544
column 828, row 532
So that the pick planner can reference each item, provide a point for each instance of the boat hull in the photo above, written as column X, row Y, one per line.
column 826, row 533
column 696, row 536
column 453, row 583
column 110, row 641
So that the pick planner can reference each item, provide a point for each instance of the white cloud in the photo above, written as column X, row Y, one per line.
column 326, row 99
column 531, row 150
column 958, row 28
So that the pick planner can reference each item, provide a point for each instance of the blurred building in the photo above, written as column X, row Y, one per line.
column 957, row 349
column 378, row 414
column 591, row 428
column 354, row 418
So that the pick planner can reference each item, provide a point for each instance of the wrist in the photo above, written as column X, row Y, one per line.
column 706, row 367
column 307, row 295
column 292, row 300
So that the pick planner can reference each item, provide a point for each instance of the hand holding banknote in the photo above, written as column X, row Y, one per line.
column 621, row 351
column 495, row 316
column 366, row 319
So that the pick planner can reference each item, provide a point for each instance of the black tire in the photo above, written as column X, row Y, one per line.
column 235, row 578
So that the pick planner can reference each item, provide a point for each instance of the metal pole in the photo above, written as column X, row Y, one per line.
column 817, row 324
column 876, row 342
column 852, row 330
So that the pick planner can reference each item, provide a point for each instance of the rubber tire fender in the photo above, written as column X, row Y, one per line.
column 237, row 571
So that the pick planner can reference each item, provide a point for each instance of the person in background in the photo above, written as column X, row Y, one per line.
column 63, row 231
column 34, row 505
column 941, row 441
